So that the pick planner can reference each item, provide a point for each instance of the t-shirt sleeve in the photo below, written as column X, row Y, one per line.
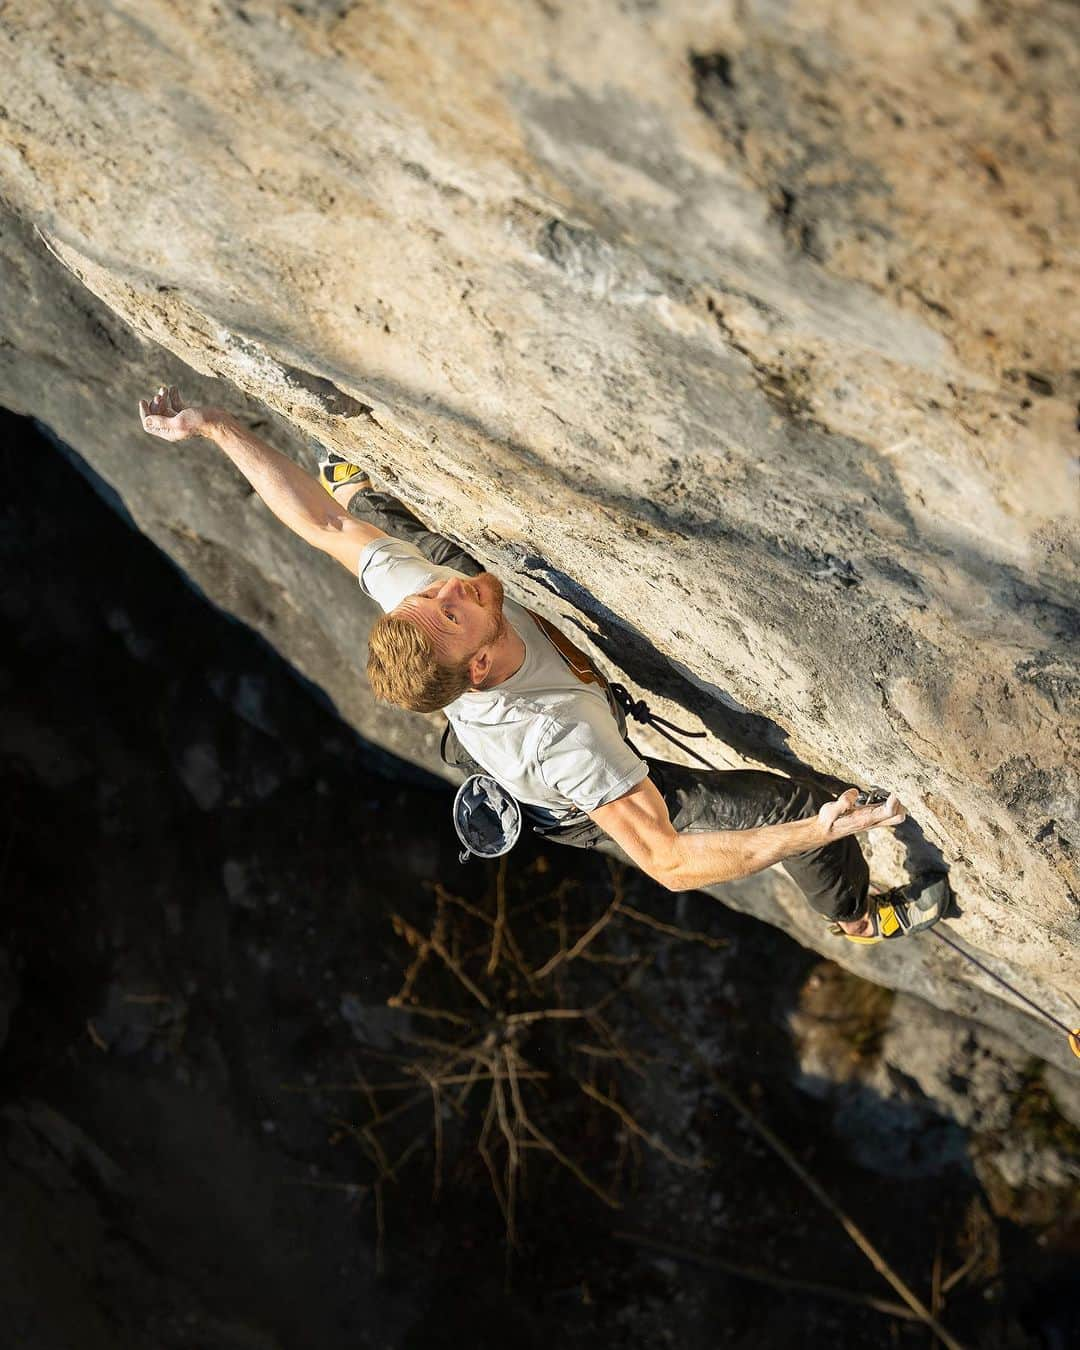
column 588, row 762
column 391, row 569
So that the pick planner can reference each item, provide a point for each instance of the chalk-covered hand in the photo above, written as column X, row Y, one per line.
column 842, row 817
column 166, row 416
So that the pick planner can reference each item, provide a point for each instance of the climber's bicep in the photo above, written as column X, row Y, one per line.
column 639, row 823
column 344, row 538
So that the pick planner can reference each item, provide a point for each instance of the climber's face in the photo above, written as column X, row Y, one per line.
column 461, row 615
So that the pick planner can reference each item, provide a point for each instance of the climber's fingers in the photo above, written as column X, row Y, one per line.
column 154, row 423
column 844, row 816
column 165, row 416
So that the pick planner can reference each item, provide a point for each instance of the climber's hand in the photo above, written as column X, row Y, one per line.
column 842, row 817
column 166, row 416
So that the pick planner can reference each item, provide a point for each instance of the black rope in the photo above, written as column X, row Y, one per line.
column 640, row 711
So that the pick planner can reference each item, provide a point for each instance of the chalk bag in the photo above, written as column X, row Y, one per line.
column 486, row 817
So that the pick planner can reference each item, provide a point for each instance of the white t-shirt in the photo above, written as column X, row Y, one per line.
column 548, row 738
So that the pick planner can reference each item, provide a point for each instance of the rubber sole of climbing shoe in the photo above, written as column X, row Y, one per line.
column 336, row 472
column 904, row 911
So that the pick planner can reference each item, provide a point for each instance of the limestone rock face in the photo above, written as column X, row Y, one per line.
column 740, row 337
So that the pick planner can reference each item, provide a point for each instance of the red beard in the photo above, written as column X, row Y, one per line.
column 490, row 590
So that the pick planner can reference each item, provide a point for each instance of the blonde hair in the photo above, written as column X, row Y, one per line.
column 402, row 668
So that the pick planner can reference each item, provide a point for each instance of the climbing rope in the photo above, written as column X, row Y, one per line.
column 640, row 711
column 1072, row 1036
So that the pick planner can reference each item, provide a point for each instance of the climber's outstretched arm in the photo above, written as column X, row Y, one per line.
column 293, row 495
column 640, row 824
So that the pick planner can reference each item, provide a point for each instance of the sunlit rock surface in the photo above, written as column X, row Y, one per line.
column 739, row 337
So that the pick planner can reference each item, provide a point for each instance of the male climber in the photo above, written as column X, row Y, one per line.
column 529, row 709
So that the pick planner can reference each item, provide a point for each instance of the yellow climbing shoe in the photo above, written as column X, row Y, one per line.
column 904, row 910
column 336, row 472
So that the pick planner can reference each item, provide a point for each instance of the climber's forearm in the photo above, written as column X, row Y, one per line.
column 713, row 856
column 291, row 494
column 295, row 498
column 639, row 823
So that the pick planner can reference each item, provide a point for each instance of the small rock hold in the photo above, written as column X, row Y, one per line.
column 712, row 66
column 838, row 571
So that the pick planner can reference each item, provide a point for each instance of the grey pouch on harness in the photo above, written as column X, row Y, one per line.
column 486, row 817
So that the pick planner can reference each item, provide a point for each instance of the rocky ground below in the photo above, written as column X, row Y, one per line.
column 217, row 1134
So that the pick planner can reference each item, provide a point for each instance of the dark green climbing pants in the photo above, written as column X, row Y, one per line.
column 834, row 879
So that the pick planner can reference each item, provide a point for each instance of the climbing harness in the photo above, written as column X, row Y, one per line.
column 1072, row 1036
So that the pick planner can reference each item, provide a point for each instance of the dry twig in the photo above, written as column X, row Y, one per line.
column 590, row 934
column 762, row 1276
column 950, row 1282
column 434, row 944
column 500, row 917
column 436, row 1110
column 557, row 1153
column 486, row 1154
column 683, row 934
column 653, row 1140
